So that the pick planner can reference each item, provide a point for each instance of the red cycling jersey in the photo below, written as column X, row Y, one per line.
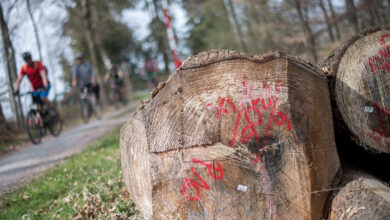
column 33, row 74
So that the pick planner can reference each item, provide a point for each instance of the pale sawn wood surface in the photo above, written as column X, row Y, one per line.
column 180, row 123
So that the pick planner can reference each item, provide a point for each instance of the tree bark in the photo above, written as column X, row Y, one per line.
column 361, row 197
column 128, row 85
column 359, row 79
column 334, row 22
column 232, row 136
column 310, row 37
column 240, row 35
column 327, row 20
column 9, row 56
column 35, row 29
column 89, row 35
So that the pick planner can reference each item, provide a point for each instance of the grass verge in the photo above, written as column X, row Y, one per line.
column 87, row 186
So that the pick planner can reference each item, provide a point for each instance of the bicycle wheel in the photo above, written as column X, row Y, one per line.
column 95, row 108
column 85, row 111
column 55, row 123
column 33, row 127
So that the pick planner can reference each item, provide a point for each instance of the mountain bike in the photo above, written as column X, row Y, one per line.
column 39, row 118
column 89, row 104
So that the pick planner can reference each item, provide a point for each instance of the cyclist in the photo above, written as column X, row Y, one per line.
column 115, row 78
column 150, row 71
column 37, row 74
column 83, row 75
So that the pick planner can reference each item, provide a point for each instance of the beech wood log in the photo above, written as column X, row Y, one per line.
column 233, row 136
column 362, row 197
column 360, row 79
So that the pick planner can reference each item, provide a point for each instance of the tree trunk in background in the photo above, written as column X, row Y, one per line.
column 89, row 35
column 310, row 38
column 250, row 26
column 260, row 13
column 352, row 14
column 360, row 81
column 327, row 20
column 161, row 42
column 35, row 30
column 5, row 129
column 189, row 151
column 126, row 77
column 240, row 35
column 9, row 56
column 165, row 58
column 361, row 197
column 99, row 44
column 334, row 22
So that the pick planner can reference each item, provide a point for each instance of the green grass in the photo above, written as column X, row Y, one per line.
column 87, row 186
column 6, row 145
column 142, row 96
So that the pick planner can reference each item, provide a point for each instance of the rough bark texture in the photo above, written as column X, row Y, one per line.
column 361, row 197
column 232, row 136
column 359, row 73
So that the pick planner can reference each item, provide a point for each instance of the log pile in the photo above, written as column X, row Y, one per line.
column 360, row 76
column 361, row 197
column 237, row 136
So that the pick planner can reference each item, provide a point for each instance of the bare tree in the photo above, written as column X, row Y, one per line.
column 335, row 23
column 9, row 56
column 327, row 20
column 302, row 11
column 351, row 14
column 89, row 35
column 240, row 35
column 102, row 52
column 35, row 29
column 128, row 87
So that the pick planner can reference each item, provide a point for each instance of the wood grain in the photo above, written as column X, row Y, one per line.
column 232, row 136
column 361, row 197
column 360, row 77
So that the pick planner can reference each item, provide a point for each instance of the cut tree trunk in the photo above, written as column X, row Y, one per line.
column 359, row 79
column 232, row 136
column 361, row 197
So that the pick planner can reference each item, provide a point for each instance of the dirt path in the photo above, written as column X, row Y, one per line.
column 26, row 164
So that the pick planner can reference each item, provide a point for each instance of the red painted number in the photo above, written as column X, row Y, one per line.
column 215, row 172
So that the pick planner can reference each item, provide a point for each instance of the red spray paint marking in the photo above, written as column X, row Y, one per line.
column 378, row 62
column 188, row 182
column 384, row 123
column 279, row 117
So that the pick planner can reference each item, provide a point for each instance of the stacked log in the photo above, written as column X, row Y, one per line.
column 233, row 136
column 361, row 197
column 359, row 79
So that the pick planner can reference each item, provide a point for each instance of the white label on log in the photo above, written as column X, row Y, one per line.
column 242, row 188
column 368, row 109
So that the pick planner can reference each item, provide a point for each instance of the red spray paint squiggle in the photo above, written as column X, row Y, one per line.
column 196, row 185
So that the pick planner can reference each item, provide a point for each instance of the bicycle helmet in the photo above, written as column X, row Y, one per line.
column 79, row 56
column 26, row 55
